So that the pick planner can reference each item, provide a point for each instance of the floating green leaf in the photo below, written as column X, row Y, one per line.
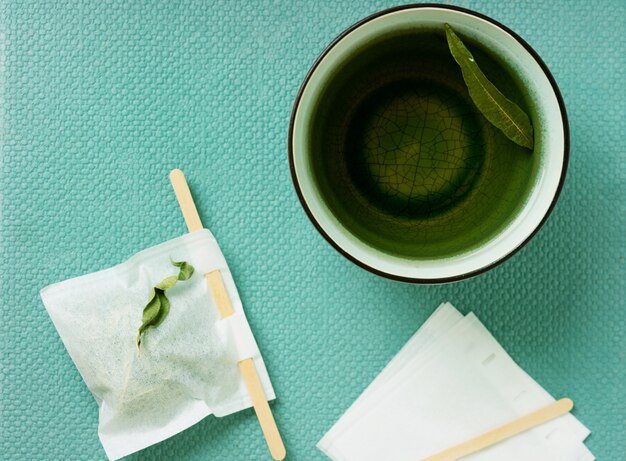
column 159, row 306
column 503, row 113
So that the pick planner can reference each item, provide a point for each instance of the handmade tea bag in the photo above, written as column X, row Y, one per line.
column 449, row 383
column 184, row 370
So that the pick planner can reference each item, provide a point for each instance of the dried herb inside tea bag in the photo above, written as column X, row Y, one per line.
column 159, row 306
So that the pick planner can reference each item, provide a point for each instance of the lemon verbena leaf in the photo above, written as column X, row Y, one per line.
column 501, row 112
column 159, row 305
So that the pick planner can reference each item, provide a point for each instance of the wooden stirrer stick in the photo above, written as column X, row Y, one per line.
column 543, row 415
column 218, row 291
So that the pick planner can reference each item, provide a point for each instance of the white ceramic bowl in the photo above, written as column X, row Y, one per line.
column 553, row 125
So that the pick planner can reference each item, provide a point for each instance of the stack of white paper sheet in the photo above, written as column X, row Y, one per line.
column 452, row 381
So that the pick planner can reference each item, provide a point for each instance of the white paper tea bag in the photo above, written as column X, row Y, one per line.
column 451, row 382
column 185, row 369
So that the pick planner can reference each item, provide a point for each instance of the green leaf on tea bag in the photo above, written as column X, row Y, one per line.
column 159, row 306
column 154, row 313
column 167, row 283
column 503, row 113
column 186, row 270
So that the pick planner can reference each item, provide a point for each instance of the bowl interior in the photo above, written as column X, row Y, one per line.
column 402, row 157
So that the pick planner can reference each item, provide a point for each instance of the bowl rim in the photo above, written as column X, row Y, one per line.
column 469, row 274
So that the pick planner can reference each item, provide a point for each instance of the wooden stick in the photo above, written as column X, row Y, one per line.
column 185, row 200
column 218, row 291
column 545, row 414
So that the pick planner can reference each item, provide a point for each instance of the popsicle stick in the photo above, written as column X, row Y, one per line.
column 185, row 200
column 515, row 427
column 218, row 291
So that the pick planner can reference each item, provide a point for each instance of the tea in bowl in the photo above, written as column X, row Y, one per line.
column 407, row 161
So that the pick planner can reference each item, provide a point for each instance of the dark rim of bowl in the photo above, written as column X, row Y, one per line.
column 466, row 275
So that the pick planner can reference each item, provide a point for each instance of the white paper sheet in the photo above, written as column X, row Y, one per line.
column 450, row 382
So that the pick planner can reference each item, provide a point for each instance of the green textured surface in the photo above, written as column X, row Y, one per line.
column 100, row 100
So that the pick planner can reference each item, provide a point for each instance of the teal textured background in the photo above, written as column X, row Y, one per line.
column 100, row 100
